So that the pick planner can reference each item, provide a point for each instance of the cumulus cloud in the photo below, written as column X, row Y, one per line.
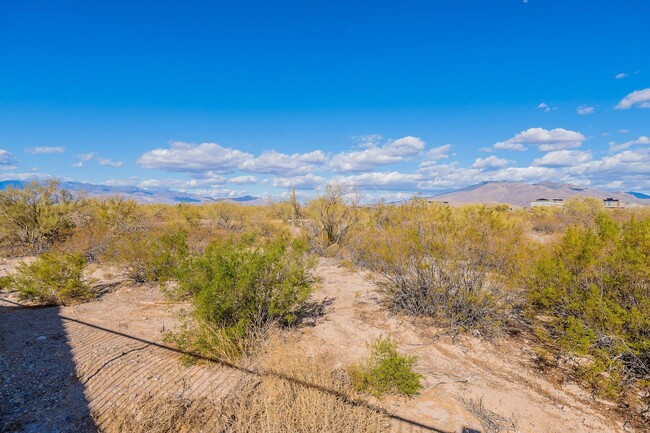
column 613, row 147
column 583, row 110
column 639, row 98
column 308, row 181
column 562, row 158
column 373, row 156
column 489, row 163
column 243, row 180
column 380, row 181
column 273, row 162
column 545, row 140
column 186, row 157
column 7, row 160
column 39, row 150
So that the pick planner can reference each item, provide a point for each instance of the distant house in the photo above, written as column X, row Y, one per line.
column 614, row 203
column 545, row 202
column 432, row 201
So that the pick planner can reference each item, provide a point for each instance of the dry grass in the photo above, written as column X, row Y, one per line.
column 270, row 404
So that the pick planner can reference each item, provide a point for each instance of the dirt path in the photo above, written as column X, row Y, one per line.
column 467, row 382
column 56, row 372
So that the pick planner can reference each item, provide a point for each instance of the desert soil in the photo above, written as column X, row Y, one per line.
column 58, row 366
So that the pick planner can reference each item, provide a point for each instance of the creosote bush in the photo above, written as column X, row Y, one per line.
column 449, row 264
column 36, row 216
column 592, row 294
column 54, row 279
column 149, row 255
column 239, row 288
column 330, row 219
column 386, row 371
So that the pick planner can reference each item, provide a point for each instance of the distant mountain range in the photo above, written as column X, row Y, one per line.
column 143, row 195
column 521, row 194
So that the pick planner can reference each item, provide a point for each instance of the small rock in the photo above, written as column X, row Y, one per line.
column 41, row 338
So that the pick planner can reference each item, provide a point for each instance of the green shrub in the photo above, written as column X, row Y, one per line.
column 149, row 256
column 238, row 289
column 386, row 371
column 52, row 279
column 594, row 292
column 5, row 282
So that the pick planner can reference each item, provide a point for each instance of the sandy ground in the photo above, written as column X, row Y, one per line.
column 57, row 367
column 467, row 381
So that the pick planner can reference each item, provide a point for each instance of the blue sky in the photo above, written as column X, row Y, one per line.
column 227, row 98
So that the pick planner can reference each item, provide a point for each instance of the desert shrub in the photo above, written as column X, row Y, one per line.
column 449, row 264
column 593, row 292
column 239, row 288
column 150, row 255
column 5, row 282
column 37, row 215
column 386, row 371
column 330, row 218
column 52, row 279
column 103, row 221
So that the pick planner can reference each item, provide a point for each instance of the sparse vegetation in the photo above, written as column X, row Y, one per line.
column 273, row 403
column 386, row 371
column 53, row 279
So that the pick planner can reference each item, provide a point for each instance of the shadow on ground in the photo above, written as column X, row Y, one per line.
column 39, row 390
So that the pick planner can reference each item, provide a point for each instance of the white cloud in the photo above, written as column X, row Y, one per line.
column 181, row 184
column 390, row 153
column 273, row 162
column 109, row 162
column 7, row 160
column 621, row 75
column 562, row 158
column 545, row 107
column 24, row 176
column 308, row 181
column 434, row 155
column 491, row 162
column 380, row 181
column 45, row 150
column 613, row 147
column 243, row 180
column 186, row 157
column 545, row 140
column 640, row 98
column 585, row 109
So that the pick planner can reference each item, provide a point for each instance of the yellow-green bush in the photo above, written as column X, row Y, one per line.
column 36, row 216
column 594, row 291
column 386, row 371
column 449, row 264
column 52, row 279
column 150, row 255
column 239, row 288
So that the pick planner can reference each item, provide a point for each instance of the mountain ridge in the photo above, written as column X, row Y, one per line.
column 141, row 195
column 522, row 193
